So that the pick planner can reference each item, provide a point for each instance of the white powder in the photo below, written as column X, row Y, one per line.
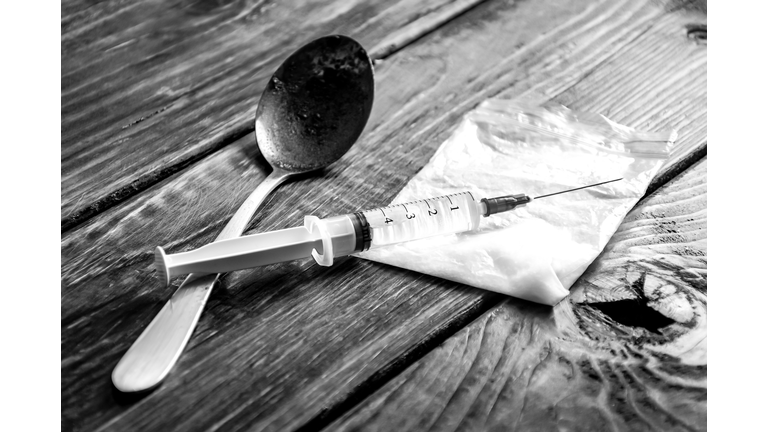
column 538, row 251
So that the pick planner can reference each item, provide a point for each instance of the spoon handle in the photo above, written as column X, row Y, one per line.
column 153, row 354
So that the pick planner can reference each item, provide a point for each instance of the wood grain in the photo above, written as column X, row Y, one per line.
column 283, row 347
column 149, row 88
column 576, row 367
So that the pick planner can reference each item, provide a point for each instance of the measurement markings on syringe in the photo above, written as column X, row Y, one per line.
column 386, row 219
column 449, row 200
column 431, row 211
column 408, row 215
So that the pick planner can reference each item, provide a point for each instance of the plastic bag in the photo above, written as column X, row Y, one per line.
column 538, row 251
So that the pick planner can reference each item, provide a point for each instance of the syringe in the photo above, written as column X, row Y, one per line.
column 325, row 239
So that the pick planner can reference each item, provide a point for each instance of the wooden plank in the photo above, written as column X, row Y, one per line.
column 150, row 87
column 626, row 351
column 288, row 345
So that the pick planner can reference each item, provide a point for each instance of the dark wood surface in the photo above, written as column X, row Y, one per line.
column 157, row 149
column 626, row 350
column 149, row 88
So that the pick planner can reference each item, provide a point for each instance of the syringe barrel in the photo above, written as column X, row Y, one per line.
column 415, row 220
column 360, row 231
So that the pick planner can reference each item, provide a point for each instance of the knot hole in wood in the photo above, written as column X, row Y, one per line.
column 697, row 33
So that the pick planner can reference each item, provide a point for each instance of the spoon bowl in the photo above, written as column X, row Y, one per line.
column 316, row 105
column 311, row 112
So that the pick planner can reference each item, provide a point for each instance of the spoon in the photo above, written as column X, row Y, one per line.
column 313, row 109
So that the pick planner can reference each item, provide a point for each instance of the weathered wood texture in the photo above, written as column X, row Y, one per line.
column 150, row 87
column 293, row 344
column 626, row 351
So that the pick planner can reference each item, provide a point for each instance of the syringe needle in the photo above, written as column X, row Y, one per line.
column 583, row 187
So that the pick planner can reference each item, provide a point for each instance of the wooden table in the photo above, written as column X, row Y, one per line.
column 158, row 100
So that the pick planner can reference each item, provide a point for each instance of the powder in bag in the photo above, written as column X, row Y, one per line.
column 535, row 252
